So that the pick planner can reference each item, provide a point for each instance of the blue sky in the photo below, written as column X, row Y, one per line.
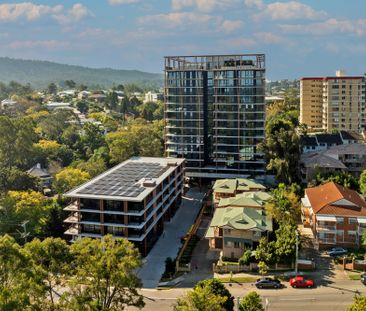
column 299, row 38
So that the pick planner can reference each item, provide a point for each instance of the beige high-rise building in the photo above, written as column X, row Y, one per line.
column 333, row 103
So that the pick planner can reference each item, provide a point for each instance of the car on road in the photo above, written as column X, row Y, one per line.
column 363, row 278
column 268, row 283
column 299, row 281
column 337, row 251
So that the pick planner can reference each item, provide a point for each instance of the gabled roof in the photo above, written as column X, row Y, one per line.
column 308, row 141
column 333, row 199
column 37, row 171
column 242, row 219
column 246, row 199
column 232, row 184
column 319, row 159
column 357, row 148
column 329, row 139
column 351, row 135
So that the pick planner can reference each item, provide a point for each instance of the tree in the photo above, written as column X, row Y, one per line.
column 54, row 225
column 263, row 267
column 251, row 302
column 112, row 101
column 69, row 178
column 21, row 206
column 17, row 290
column 15, row 179
column 52, row 88
column 245, row 259
column 265, row 251
column 91, row 139
column 82, row 106
column 343, row 178
column 104, row 275
column 94, row 166
column 216, row 287
column 200, row 299
column 285, row 244
column 51, row 260
column 70, row 84
column 359, row 304
column 284, row 206
column 282, row 145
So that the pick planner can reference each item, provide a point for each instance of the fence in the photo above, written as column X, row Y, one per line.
column 183, row 267
column 236, row 268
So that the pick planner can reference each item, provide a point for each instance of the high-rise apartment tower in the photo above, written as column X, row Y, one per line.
column 333, row 103
column 215, row 113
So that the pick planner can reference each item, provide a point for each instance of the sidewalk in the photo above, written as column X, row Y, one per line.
column 169, row 243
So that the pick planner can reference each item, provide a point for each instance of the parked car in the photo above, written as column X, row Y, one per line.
column 363, row 278
column 299, row 281
column 268, row 283
column 337, row 251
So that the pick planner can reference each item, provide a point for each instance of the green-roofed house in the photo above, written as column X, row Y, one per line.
column 239, row 222
column 226, row 188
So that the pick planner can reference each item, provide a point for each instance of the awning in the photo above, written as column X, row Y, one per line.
column 361, row 220
column 326, row 218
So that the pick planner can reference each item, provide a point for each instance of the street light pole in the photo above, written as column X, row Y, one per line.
column 297, row 250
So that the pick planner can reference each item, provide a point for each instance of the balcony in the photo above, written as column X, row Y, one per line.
column 326, row 228
column 72, row 219
column 73, row 230
column 73, row 207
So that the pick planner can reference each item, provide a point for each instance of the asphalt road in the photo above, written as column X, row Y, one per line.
column 335, row 297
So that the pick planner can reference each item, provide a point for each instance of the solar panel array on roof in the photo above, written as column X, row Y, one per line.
column 123, row 181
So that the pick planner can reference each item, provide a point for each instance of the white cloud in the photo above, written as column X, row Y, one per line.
column 257, row 39
column 182, row 20
column 203, row 5
column 332, row 25
column 120, row 2
column 288, row 10
column 230, row 26
column 26, row 10
column 254, row 4
column 44, row 44
column 76, row 13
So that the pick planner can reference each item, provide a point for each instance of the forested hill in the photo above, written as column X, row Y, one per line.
column 40, row 73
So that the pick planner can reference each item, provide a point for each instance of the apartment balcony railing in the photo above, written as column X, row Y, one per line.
column 326, row 228
column 72, row 207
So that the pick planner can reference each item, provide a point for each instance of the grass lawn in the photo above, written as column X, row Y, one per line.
column 354, row 276
column 238, row 279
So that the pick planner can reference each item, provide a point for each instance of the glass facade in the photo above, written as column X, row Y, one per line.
column 215, row 113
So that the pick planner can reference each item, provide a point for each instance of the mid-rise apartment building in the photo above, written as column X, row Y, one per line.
column 215, row 113
column 132, row 200
column 333, row 103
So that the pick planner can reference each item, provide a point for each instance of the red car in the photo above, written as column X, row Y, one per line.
column 299, row 281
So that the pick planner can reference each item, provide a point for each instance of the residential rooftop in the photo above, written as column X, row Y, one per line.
column 319, row 159
column 131, row 180
column 239, row 184
column 246, row 199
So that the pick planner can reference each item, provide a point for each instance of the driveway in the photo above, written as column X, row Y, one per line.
column 169, row 242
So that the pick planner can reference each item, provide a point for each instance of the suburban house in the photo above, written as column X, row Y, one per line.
column 131, row 200
column 239, row 222
column 41, row 173
column 312, row 163
column 353, row 156
column 336, row 214
column 226, row 188
column 349, row 158
column 323, row 141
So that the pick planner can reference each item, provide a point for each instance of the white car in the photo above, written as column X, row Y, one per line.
column 337, row 251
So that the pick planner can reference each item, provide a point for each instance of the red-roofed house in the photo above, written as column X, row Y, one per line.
column 336, row 214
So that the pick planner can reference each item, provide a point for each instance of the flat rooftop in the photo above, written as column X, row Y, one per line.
column 124, row 182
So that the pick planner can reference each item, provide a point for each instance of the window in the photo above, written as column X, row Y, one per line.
column 340, row 220
column 352, row 220
column 236, row 245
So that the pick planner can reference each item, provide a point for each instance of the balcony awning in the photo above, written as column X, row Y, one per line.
column 326, row 218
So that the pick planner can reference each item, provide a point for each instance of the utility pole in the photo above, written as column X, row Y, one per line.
column 24, row 234
column 297, row 250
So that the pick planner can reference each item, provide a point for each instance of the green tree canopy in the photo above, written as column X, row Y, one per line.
column 200, row 299
column 217, row 288
column 104, row 275
column 251, row 302
column 69, row 178
column 359, row 304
